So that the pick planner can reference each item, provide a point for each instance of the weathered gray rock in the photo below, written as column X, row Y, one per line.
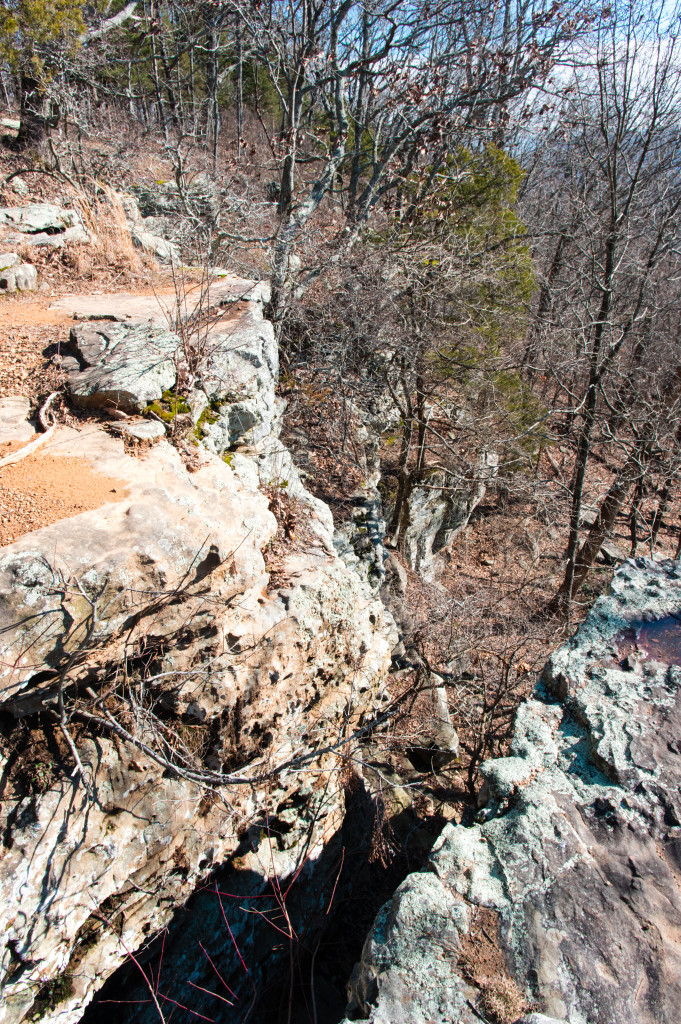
column 269, row 667
column 538, row 1018
column 393, row 593
column 144, row 430
column 280, row 661
column 436, row 744
column 439, row 511
column 14, row 410
column 9, row 259
column 163, row 198
column 578, row 846
column 18, row 184
column 37, row 218
column 225, row 291
column 122, row 365
column 610, row 552
column 238, row 375
column 42, row 224
column 403, row 979
column 21, row 278
column 163, row 250
column 77, row 233
column 160, row 231
column 359, row 540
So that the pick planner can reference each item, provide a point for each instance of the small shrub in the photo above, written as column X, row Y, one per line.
column 501, row 999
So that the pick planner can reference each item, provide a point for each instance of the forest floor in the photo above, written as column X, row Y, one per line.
column 488, row 610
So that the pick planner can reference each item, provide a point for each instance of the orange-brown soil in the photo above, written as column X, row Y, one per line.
column 43, row 488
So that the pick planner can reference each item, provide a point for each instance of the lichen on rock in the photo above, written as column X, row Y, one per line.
column 578, row 839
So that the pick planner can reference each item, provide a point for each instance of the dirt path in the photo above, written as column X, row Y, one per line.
column 44, row 488
column 28, row 330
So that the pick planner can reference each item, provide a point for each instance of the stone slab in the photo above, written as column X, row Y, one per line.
column 14, row 426
column 122, row 365
column 160, row 309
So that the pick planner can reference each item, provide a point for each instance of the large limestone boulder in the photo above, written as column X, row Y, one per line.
column 132, row 360
column 237, row 376
column 577, row 852
column 269, row 670
column 145, row 232
column 39, row 217
column 43, row 224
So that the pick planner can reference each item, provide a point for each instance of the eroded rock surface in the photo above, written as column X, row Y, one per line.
column 15, row 275
column 577, row 852
column 251, row 667
column 120, row 365
column 127, row 357
column 42, row 224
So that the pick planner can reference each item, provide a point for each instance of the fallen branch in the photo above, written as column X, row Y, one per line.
column 43, row 410
column 28, row 449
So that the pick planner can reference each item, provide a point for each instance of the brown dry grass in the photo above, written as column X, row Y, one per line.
column 482, row 963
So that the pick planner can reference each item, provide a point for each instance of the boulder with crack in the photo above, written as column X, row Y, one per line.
column 16, row 276
column 42, row 224
column 577, row 850
column 237, row 375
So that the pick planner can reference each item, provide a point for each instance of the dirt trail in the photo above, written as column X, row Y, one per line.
column 44, row 488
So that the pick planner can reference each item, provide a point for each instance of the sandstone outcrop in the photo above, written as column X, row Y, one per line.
column 574, row 861
column 256, row 667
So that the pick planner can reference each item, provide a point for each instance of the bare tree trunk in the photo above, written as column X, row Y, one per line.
column 607, row 515
column 633, row 516
column 543, row 308
column 239, row 89
column 168, row 83
column 660, row 511
column 157, row 90
column 584, row 446
column 34, row 123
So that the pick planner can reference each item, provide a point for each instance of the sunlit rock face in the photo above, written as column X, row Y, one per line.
column 255, row 661
column 577, row 848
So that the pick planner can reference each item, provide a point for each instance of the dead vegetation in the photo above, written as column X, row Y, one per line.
column 482, row 962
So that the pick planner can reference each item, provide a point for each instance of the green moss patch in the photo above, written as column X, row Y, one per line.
column 168, row 407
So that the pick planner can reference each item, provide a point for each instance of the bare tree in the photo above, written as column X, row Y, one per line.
column 372, row 93
column 611, row 239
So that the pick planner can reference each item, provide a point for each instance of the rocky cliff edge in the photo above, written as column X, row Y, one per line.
column 563, row 898
column 184, row 611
